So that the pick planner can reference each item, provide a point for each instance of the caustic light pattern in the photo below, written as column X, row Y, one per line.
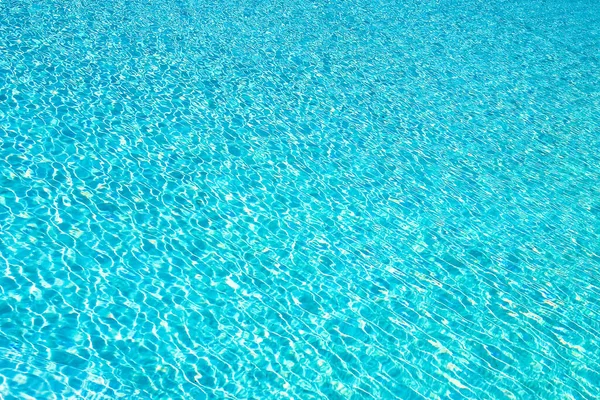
column 299, row 199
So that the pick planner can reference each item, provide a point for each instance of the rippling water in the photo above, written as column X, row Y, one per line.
column 299, row 199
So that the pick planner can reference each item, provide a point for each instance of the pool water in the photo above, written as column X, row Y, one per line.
column 299, row 199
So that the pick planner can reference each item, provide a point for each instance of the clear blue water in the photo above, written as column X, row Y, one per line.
column 299, row 199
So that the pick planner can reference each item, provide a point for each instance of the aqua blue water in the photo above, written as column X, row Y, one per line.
column 299, row 199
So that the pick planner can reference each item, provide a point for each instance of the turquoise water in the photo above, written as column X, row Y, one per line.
column 299, row 199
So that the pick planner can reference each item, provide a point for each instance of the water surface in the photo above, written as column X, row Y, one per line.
column 299, row 199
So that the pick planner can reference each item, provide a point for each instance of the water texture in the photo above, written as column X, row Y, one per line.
column 299, row 199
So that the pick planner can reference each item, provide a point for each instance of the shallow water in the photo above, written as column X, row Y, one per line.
column 299, row 199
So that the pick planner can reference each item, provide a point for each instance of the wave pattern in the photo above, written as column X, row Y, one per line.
column 299, row 199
